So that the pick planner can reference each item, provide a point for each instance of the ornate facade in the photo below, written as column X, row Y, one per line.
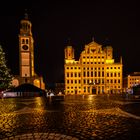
column 26, row 57
column 96, row 72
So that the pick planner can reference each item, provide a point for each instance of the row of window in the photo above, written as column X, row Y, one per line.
column 95, row 81
column 93, row 74
column 95, row 68
column 73, row 68
column 93, row 62
column 115, row 81
column 113, row 67
column 115, row 74
column 25, row 26
column 75, row 88
column 133, row 83
column 88, row 68
column 75, row 92
column 73, row 81
column 99, row 57
column 87, row 88
column 25, row 41
column 100, row 74
column 134, row 79
column 73, row 74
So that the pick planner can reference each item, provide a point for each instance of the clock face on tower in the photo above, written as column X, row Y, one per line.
column 25, row 47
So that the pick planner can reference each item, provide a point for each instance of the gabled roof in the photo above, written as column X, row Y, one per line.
column 93, row 43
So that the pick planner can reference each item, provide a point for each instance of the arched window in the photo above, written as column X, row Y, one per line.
column 23, row 41
column 27, row 41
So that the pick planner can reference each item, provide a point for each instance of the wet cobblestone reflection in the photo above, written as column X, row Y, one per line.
column 95, row 117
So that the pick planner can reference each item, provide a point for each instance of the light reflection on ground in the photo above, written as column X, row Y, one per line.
column 80, row 117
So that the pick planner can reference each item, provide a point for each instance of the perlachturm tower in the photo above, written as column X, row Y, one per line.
column 96, row 72
column 26, row 56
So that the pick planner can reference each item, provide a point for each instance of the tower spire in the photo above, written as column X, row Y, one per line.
column 69, row 42
column 26, row 14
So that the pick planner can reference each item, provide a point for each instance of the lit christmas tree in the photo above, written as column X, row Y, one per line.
column 5, row 76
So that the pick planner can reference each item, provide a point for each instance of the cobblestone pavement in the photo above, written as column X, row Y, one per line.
column 75, row 118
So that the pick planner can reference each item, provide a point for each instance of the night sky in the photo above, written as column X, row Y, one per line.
column 55, row 23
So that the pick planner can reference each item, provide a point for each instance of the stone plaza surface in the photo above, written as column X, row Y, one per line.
column 76, row 118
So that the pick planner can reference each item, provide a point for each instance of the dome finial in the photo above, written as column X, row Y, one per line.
column 93, row 38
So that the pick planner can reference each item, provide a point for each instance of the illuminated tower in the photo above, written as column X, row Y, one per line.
column 69, row 53
column 26, row 50
column 26, row 56
column 109, row 52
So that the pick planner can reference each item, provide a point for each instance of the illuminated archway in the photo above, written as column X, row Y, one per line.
column 15, row 82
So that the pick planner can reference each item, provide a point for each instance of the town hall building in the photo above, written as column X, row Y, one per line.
column 96, row 71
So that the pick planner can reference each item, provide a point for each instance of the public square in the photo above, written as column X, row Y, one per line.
column 83, row 117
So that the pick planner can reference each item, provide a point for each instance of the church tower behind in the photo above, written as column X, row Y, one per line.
column 26, row 56
column 26, row 49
